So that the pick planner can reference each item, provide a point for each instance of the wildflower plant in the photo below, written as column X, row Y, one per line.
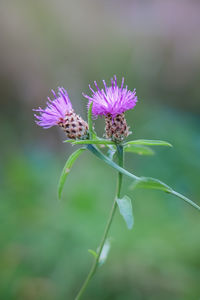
column 111, row 102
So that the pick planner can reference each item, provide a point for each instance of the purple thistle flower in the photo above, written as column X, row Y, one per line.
column 55, row 111
column 113, row 100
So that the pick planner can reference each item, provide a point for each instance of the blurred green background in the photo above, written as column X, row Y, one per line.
column 155, row 45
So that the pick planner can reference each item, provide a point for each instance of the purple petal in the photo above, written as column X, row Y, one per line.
column 112, row 100
column 55, row 110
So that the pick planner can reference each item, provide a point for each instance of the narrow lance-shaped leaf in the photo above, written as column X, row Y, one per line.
column 152, row 183
column 67, row 168
column 86, row 142
column 138, row 149
column 69, row 141
column 141, row 181
column 148, row 143
column 92, row 133
column 99, row 141
column 182, row 197
column 125, row 208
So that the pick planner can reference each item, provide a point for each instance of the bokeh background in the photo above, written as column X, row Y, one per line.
column 155, row 45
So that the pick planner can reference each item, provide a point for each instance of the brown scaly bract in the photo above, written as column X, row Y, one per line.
column 74, row 126
column 116, row 128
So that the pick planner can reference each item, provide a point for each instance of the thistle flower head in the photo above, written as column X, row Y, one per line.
column 60, row 112
column 55, row 111
column 112, row 100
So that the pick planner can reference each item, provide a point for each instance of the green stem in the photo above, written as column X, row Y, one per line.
column 109, row 222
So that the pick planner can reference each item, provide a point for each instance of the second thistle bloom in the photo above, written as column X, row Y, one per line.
column 112, row 102
column 59, row 112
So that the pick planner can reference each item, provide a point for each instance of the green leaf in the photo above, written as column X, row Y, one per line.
column 69, row 141
column 93, row 253
column 141, row 181
column 92, row 133
column 104, row 252
column 141, row 150
column 149, row 143
column 67, row 169
column 125, row 208
column 151, row 183
column 86, row 142
column 182, row 197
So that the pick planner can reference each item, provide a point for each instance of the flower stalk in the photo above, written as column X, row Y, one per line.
column 108, row 225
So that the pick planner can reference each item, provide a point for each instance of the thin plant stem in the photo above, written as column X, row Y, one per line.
column 108, row 225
